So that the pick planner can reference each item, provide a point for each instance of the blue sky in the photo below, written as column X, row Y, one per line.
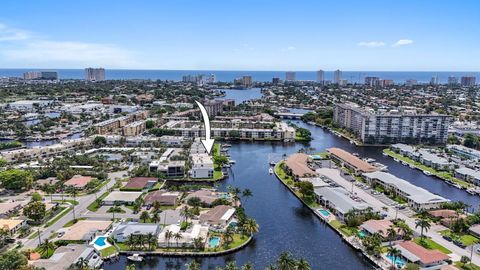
column 372, row 35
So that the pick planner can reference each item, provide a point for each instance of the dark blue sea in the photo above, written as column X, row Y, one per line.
column 260, row 76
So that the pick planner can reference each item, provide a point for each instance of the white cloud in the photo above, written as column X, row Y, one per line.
column 403, row 42
column 371, row 44
column 22, row 48
column 289, row 49
column 11, row 34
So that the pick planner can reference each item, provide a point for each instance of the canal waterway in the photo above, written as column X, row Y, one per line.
column 285, row 224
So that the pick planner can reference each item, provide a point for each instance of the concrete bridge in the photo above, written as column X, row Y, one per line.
column 289, row 115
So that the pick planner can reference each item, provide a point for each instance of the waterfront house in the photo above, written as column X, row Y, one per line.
column 70, row 254
column 298, row 165
column 338, row 200
column 350, row 161
column 424, row 257
column 187, row 237
column 140, row 183
column 417, row 198
column 381, row 227
column 219, row 216
column 405, row 150
column 206, row 196
column 161, row 196
column 121, row 197
column 85, row 230
column 468, row 174
column 12, row 225
column 125, row 229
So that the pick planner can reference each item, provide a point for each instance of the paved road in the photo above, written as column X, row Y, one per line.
column 80, row 210
column 365, row 195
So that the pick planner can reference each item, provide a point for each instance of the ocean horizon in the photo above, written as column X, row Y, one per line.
column 259, row 76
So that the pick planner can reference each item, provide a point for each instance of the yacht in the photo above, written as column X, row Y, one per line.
column 135, row 258
column 427, row 173
column 471, row 191
column 411, row 166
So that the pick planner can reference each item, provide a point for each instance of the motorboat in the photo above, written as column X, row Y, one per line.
column 427, row 173
column 471, row 191
column 270, row 171
column 135, row 258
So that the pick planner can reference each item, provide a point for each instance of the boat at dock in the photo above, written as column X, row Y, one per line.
column 472, row 191
column 427, row 173
column 135, row 258
column 231, row 161
column 270, row 171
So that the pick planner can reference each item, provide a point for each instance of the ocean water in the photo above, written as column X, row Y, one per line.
column 260, row 76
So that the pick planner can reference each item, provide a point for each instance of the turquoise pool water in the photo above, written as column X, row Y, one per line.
column 316, row 157
column 214, row 242
column 324, row 212
column 361, row 234
column 400, row 262
column 100, row 241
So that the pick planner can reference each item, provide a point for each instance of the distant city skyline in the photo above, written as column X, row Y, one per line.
column 215, row 35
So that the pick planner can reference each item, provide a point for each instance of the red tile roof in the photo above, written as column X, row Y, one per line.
column 139, row 182
column 78, row 181
column 354, row 161
column 426, row 256
column 298, row 164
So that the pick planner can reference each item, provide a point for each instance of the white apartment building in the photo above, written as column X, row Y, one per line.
column 202, row 166
column 384, row 127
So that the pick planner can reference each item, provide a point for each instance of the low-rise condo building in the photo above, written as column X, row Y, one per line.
column 417, row 198
column 339, row 201
column 350, row 161
column 202, row 166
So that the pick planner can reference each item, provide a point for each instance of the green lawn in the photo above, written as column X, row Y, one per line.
column 71, row 222
column 348, row 231
column 67, row 201
column 217, row 169
column 468, row 266
column 430, row 244
column 466, row 239
column 106, row 252
column 441, row 174
column 94, row 205
column 57, row 217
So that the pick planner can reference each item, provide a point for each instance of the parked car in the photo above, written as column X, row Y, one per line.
column 448, row 238
column 458, row 243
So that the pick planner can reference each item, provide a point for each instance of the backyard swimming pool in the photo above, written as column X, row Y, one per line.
column 214, row 242
column 400, row 262
column 100, row 241
column 324, row 212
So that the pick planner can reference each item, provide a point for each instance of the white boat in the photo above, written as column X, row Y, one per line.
column 270, row 171
column 411, row 166
column 272, row 163
column 352, row 142
column 404, row 163
column 385, row 154
column 232, row 161
column 471, row 191
column 135, row 258
column 395, row 159
column 427, row 173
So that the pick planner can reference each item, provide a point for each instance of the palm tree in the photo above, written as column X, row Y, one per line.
column 247, row 193
column 250, row 226
column 228, row 236
column 130, row 267
column 156, row 206
column 113, row 210
column 394, row 253
column 177, row 237
column 424, row 225
column 82, row 263
column 286, row 261
column 303, row 264
column 247, row 266
column 155, row 217
column 168, row 236
column 150, row 239
column 46, row 246
column 193, row 266
column 73, row 191
column 391, row 234
column 144, row 216
column 185, row 213
column 198, row 243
